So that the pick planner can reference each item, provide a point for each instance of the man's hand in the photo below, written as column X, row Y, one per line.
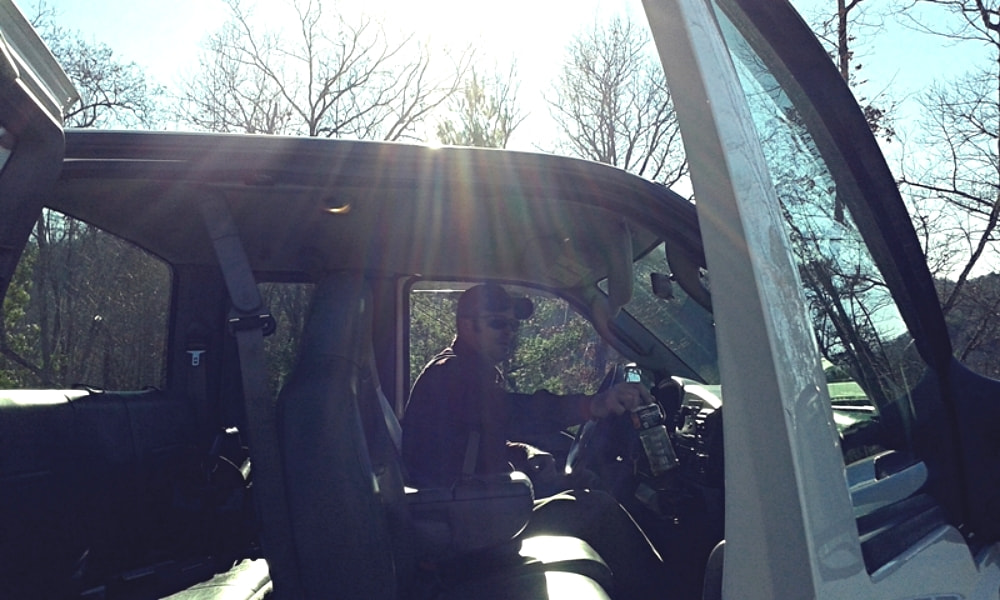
column 545, row 477
column 618, row 399
column 542, row 465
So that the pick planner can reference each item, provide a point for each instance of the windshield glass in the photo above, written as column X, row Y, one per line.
column 673, row 316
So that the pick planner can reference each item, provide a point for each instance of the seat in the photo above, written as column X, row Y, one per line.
column 248, row 579
column 353, row 528
column 339, row 526
column 552, row 585
column 712, row 586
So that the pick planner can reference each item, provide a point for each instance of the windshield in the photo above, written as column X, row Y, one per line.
column 673, row 316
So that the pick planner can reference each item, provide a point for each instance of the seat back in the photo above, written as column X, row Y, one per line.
column 339, row 527
column 356, row 529
column 712, row 584
column 96, row 485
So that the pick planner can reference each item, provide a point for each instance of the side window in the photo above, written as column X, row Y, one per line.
column 84, row 308
column 557, row 350
column 869, row 357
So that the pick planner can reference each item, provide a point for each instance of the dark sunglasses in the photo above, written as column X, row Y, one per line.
column 501, row 323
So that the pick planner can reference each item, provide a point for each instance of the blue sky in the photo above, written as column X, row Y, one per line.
column 162, row 37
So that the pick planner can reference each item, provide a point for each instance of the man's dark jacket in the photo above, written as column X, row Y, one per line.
column 460, row 392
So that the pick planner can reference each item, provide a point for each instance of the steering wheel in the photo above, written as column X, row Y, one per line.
column 592, row 437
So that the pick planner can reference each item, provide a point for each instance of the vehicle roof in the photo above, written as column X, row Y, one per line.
column 306, row 203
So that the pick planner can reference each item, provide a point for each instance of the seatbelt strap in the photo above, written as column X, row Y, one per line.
column 197, row 385
column 471, row 453
column 249, row 322
column 391, row 422
column 392, row 425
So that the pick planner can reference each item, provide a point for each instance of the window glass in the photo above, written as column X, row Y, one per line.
column 288, row 304
column 432, row 322
column 674, row 317
column 557, row 350
column 868, row 353
column 84, row 308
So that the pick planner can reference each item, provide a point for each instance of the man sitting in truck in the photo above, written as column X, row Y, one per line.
column 461, row 421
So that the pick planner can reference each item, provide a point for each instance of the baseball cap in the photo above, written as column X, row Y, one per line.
column 490, row 297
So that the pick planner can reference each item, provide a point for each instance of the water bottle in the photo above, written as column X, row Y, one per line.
column 648, row 420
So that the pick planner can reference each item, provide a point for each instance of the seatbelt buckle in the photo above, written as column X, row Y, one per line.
column 263, row 321
column 196, row 356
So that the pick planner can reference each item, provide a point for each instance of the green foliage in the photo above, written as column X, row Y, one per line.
column 432, row 326
column 487, row 115
column 558, row 350
column 17, row 332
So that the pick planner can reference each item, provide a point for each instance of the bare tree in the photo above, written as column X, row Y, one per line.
column 839, row 31
column 87, row 308
column 113, row 93
column 324, row 76
column 975, row 325
column 486, row 113
column 226, row 96
column 960, row 176
column 612, row 104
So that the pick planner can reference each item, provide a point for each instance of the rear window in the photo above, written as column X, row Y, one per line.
column 84, row 308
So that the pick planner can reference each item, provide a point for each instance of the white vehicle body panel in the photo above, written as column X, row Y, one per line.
column 30, row 62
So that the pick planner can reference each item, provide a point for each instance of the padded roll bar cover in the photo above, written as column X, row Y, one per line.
column 452, row 521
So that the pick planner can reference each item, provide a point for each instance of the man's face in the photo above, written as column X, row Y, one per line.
column 493, row 334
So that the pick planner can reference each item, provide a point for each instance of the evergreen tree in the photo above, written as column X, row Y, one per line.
column 487, row 114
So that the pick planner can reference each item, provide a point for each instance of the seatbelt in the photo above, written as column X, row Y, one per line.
column 392, row 425
column 250, row 322
column 393, row 428
column 471, row 454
